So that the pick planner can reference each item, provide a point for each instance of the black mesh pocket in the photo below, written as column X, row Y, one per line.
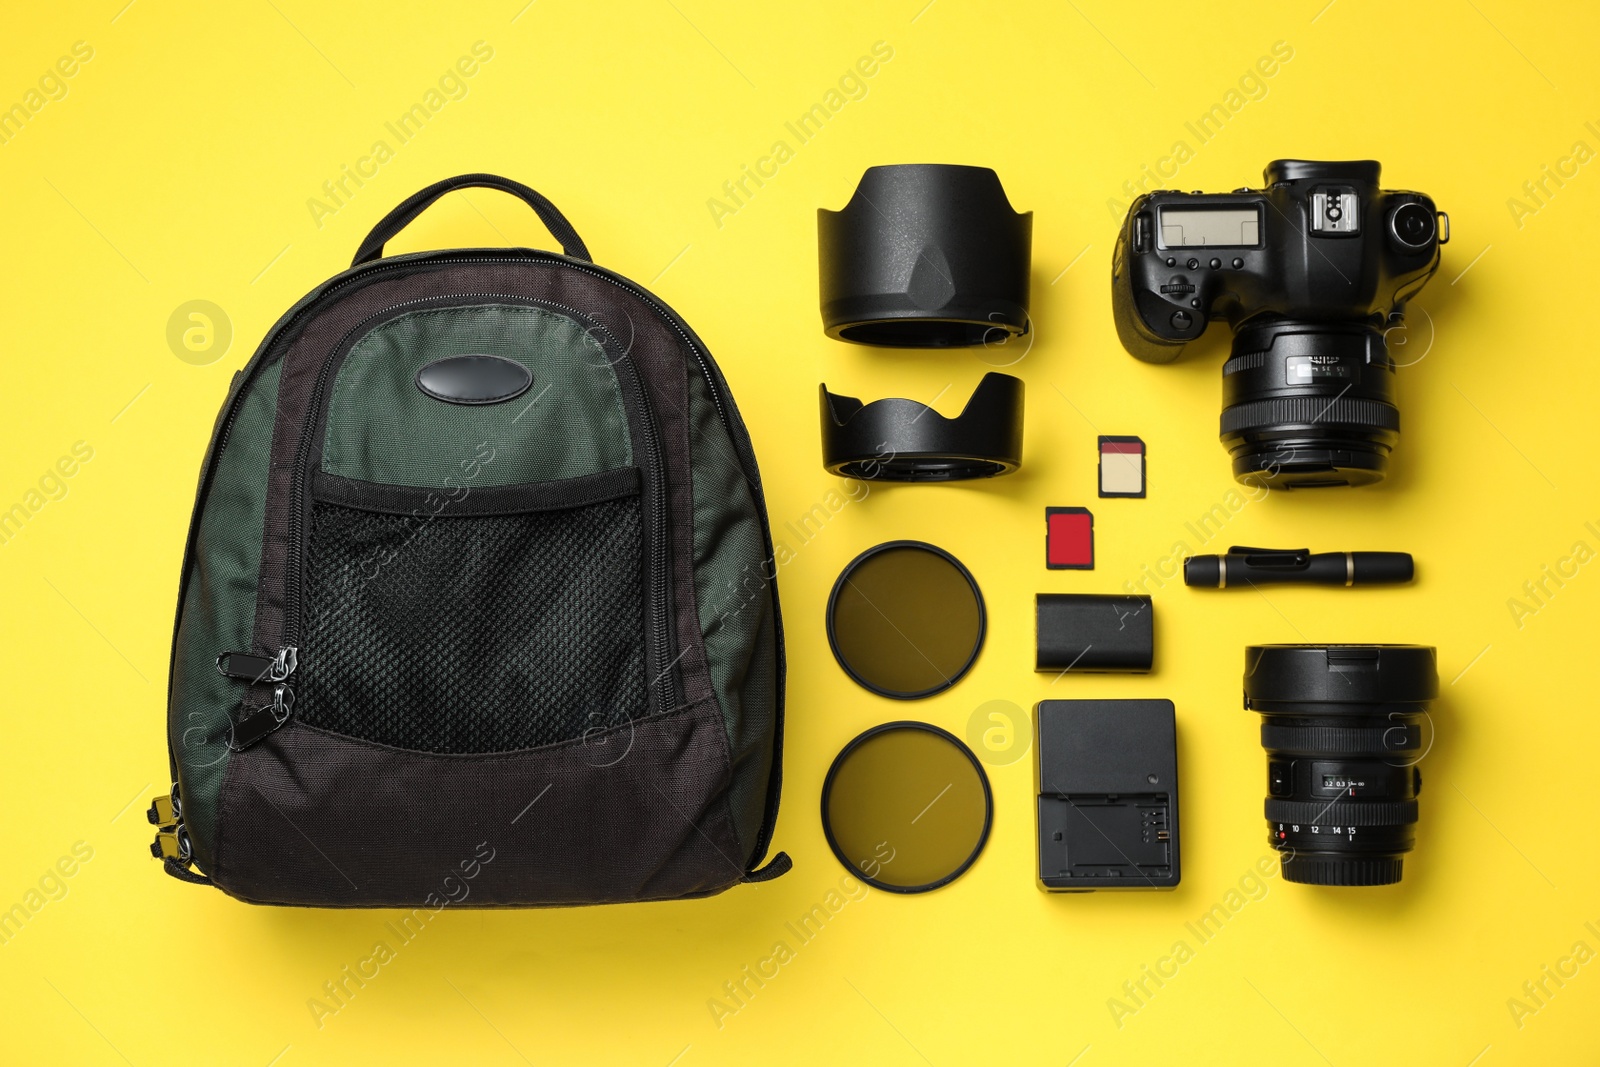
column 473, row 633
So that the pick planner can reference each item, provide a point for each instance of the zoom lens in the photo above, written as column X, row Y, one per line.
column 1309, row 404
column 1342, row 726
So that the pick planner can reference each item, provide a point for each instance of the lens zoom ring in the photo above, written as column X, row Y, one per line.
column 1343, row 812
column 1278, row 411
column 1352, row 741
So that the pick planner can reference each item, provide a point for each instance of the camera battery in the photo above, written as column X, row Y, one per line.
column 1089, row 632
column 1106, row 773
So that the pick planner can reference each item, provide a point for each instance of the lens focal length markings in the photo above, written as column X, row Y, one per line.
column 1342, row 730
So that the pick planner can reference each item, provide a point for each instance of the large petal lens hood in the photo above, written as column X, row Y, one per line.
column 901, row 440
column 925, row 255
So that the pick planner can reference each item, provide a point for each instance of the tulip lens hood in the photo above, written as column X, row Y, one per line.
column 899, row 440
column 925, row 255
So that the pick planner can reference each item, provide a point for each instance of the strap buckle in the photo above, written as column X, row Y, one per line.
column 165, row 812
column 172, row 844
column 162, row 813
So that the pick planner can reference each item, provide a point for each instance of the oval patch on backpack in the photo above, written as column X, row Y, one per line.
column 475, row 378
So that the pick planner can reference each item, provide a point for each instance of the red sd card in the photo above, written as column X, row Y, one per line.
column 1069, row 539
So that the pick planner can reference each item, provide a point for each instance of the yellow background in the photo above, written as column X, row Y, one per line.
column 178, row 166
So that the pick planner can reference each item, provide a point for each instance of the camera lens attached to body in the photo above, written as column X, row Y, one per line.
column 1342, row 728
column 1309, row 404
column 925, row 255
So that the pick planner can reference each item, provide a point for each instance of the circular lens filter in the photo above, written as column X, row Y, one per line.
column 906, row 619
column 906, row 807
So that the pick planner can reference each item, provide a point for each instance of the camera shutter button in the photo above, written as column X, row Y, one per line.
column 1181, row 320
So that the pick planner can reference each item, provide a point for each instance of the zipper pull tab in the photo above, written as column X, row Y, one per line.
column 255, row 667
column 257, row 723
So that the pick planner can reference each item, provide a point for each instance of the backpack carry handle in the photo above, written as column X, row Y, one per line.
column 414, row 205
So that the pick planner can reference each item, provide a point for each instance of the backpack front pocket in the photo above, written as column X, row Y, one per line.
column 474, row 620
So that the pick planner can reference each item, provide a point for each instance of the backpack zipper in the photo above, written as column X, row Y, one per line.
column 257, row 723
column 254, row 667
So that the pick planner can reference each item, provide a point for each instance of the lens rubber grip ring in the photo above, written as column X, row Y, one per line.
column 1341, row 870
column 1349, row 411
column 1342, row 812
column 1348, row 742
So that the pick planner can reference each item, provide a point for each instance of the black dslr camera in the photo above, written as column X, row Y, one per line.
column 1309, row 272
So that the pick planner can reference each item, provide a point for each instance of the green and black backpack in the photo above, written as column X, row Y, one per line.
column 477, row 604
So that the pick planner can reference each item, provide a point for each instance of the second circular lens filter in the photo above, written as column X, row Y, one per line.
column 906, row 807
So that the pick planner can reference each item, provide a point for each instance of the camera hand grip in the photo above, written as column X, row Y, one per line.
column 1133, row 333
